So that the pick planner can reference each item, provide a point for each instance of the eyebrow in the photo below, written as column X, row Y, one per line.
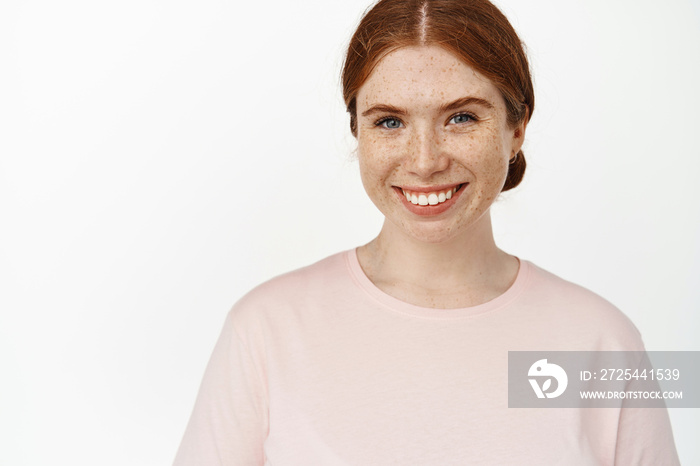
column 454, row 105
column 382, row 108
column 464, row 101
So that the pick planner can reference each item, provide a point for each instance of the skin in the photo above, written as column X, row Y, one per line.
column 406, row 138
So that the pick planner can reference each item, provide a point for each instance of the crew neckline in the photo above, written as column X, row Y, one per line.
column 395, row 304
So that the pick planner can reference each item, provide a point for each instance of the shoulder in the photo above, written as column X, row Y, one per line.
column 568, row 307
column 302, row 288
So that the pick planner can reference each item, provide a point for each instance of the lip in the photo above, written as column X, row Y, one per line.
column 430, row 210
column 430, row 189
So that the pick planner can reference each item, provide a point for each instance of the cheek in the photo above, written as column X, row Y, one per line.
column 483, row 152
column 495, row 170
column 486, row 158
column 495, row 164
column 375, row 156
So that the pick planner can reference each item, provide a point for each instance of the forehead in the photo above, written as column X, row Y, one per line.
column 424, row 75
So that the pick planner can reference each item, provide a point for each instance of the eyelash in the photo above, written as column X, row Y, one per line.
column 382, row 121
column 471, row 117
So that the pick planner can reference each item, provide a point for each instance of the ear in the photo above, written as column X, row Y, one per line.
column 519, row 134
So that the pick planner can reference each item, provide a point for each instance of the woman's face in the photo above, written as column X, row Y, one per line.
column 433, row 142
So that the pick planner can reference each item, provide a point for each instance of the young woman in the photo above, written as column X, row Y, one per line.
column 396, row 352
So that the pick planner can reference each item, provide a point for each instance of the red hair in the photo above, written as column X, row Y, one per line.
column 473, row 30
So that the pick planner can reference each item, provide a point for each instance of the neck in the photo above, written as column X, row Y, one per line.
column 468, row 268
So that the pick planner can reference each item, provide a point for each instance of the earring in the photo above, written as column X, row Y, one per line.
column 513, row 159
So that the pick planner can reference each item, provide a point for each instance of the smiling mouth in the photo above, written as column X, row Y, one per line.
column 431, row 198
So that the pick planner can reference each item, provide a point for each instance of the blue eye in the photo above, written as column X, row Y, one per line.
column 389, row 123
column 462, row 118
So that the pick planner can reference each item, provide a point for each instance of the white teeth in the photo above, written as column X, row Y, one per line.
column 434, row 198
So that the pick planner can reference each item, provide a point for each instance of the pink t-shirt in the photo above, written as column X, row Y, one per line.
column 321, row 367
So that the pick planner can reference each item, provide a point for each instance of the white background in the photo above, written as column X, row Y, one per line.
column 160, row 158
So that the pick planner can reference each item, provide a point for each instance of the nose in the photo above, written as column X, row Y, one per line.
column 426, row 155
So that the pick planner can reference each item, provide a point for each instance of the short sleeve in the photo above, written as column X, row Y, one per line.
column 229, row 422
column 645, row 438
column 644, row 434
